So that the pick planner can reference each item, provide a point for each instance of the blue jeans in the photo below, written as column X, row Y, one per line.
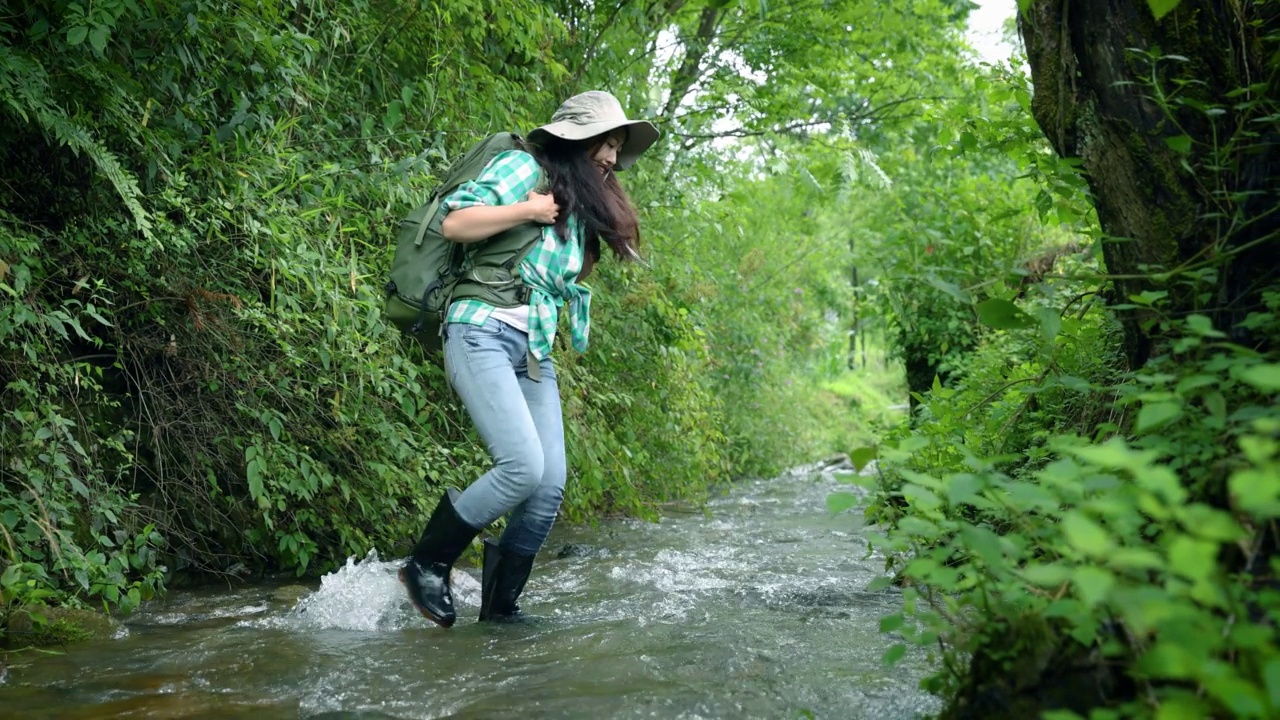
column 521, row 422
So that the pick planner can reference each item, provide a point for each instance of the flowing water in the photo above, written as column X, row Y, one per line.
column 758, row 609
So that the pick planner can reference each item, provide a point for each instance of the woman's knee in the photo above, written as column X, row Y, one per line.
column 548, row 495
column 522, row 472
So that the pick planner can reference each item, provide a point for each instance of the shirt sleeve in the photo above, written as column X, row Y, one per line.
column 507, row 179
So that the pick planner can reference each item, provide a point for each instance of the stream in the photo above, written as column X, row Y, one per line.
column 756, row 609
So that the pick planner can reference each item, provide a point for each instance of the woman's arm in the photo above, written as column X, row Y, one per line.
column 481, row 222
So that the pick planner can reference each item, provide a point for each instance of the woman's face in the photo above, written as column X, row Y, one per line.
column 605, row 155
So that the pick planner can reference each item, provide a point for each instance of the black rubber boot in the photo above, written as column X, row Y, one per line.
column 426, row 575
column 502, row 583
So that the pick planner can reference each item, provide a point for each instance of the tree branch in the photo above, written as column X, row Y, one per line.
column 743, row 132
column 595, row 41
column 695, row 52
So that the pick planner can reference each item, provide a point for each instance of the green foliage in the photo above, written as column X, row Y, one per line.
column 1078, row 538
column 946, row 247
column 1146, row 545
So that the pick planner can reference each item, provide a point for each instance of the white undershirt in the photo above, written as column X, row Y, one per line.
column 517, row 317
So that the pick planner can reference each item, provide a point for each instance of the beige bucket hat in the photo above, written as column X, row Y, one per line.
column 596, row 112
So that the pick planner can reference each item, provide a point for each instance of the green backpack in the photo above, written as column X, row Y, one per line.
column 428, row 272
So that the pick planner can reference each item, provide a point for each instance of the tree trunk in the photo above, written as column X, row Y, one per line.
column 1175, row 124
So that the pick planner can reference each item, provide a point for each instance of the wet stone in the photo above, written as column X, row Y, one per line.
column 60, row 625
column 839, row 461
column 290, row 594
column 577, row 550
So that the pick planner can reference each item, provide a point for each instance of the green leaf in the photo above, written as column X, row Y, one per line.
column 838, row 502
column 1050, row 323
column 1093, row 583
column 1179, row 143
column 963, row 488
column 77, row 34
column 1182, row 707
column 1193, row 382
column 1241, row 696
column 1115, row 454
column 1271, row 678
column 1193, row 559
column 1216, row 404
column 862, row 456
column 1165, row 487
column 889, row 623
column 920, row 497
column 1086, row 535
column 1023, row 5
column 1072, row 382
column 880, row 583
column 1149, row 297
column 276, row 428
column 949, row 288
column 98, row 38
column 894, row 654
column 1160, row 8
column 1134, row 559
column 1255, row 491
column 913, row 526
column 985, row 544
column 1158, row 414
column 1003, row 315
column 394, row 116
column 253, row 473
column 1264, row 377
column 1210, row 523
column 78, row 486
column 1170, row 659
column 1050, row 575
column 1203, row 326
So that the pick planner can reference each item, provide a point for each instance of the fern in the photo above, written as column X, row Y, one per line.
column 23, row 90
column 852, row 170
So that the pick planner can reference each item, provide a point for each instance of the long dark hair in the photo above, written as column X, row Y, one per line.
column 601, row 205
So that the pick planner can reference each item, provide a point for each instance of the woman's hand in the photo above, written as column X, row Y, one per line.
column 542, row 208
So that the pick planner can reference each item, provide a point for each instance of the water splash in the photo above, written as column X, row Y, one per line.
column 366, row 595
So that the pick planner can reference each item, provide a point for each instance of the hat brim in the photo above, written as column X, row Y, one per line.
column 641, row 134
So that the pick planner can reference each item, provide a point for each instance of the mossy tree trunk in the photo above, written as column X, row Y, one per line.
column 1175, row 124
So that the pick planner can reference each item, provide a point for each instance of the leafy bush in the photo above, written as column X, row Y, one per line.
column 1128, row 571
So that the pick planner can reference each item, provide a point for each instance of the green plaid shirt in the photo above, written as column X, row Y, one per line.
column 550, row 269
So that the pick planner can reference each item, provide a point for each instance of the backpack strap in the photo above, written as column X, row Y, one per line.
column 532, row 364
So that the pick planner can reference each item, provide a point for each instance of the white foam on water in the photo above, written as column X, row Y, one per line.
column 183, row 618
column 365, row 595
column 682, row 577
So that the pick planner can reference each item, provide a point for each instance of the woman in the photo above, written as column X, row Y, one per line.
column 488, row 350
